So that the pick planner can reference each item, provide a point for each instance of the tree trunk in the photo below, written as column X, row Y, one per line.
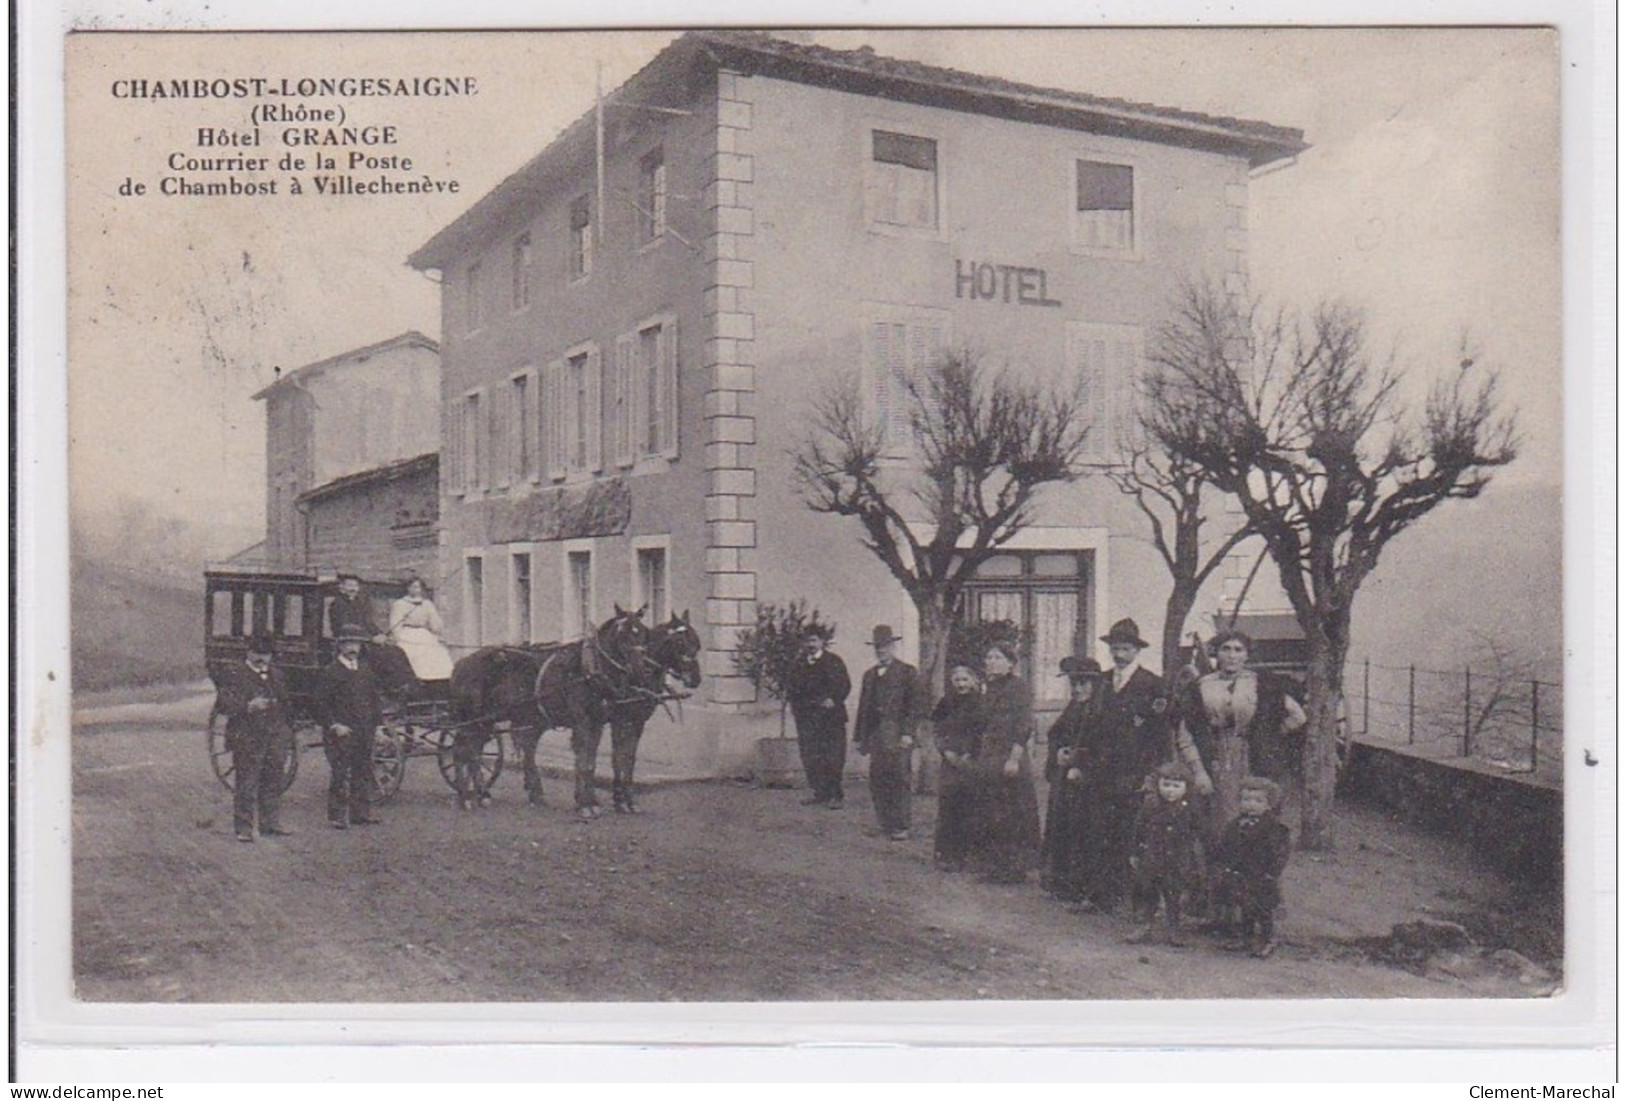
column 1178, row 609
column 1324, row 706
column 934, row 627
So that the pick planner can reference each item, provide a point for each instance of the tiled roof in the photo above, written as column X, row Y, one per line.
column 400, row 468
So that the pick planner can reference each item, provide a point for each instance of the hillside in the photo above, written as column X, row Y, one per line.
column 1472, row 570
column 133, row 626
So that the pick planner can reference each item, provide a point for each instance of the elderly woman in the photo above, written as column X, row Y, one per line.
column 1074, row 827
column 957, row 722
column 1008, row 801
column 1236, row 722
column 415, row 626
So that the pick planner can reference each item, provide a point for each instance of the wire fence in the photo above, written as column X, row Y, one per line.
column 1492, row 715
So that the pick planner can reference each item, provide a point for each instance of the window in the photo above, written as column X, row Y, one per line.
column 899, row 344
column 581, row 238
column 578, row 593
column 474, row 567
column 900, row 185
column 652, row 196
column 521, row 271
column 471, row 450
column 1106, row 360
column 1104, row 217
column 573, row 410
column 1045, row 595
column 520, row 415
column 472, row 317
column 651, row 591
column 521, row 597
column 226, row 614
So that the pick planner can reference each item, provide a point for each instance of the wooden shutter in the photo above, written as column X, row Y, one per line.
column 451, row 477
column 553, row 416
column 667, row 388
column 621, row 389
column 595, row 411
column 533, row 425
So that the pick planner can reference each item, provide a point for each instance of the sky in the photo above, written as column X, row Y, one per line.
column 1430, row 198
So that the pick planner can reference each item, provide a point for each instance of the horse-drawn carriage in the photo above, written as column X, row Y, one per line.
column 294, row 610
column 496, row 695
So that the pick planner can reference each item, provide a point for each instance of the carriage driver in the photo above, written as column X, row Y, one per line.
column 254, row 698
column 350, row 705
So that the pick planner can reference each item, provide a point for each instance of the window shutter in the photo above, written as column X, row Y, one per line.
column 501, row 443
column 485, row 424
column 533, row 425
column 925, row 349
column 553, row 416
column 595, row 411
column 621, row 392
column 668, row 388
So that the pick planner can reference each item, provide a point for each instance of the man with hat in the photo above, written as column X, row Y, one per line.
column 1135, row 738
column 816, row 689
column 350, row 706
column 890, row 705
column 253, row 696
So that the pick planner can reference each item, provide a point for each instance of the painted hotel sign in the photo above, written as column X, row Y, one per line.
column 1002, row 283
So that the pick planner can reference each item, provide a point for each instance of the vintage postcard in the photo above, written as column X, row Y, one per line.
column 1031, row 524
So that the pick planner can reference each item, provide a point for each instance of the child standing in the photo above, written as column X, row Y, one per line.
column 957, row 722
column 1166, row 860
column 1251, row 855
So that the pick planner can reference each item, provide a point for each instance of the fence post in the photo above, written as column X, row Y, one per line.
column 1365, row 704
column 1534, row 725
column 1467, row 714
column 1410, row 712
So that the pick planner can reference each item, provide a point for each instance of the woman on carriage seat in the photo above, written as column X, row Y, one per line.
column 415, row 626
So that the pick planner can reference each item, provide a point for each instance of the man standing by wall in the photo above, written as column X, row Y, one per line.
column 889, row 707
column 351, row 709
column 817, row 691
column 254, row 698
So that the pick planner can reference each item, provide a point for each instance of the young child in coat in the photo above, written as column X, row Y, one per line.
column 1248, row 862
column 1167, row 860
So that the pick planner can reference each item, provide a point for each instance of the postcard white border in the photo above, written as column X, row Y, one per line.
column 101, row 1042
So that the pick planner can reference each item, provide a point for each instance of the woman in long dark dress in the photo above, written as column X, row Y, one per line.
column 1073, row 835
column 957, row 725
column 1008, row 799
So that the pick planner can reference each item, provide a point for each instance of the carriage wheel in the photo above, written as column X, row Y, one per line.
column 490, row 760
column 225, row 769
column 388, row 764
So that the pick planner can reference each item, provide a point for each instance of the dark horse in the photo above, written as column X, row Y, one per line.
column 618, row 675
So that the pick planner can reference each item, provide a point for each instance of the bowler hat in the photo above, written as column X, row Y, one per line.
column 1124, row 630
column 1079, row 667
column 261, row 643
column 349, row 577
column 349, row 633
column 883, row 636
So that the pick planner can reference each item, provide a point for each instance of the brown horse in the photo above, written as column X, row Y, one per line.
column 539, row 687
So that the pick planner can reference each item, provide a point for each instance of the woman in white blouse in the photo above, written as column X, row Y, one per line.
column 415, row 626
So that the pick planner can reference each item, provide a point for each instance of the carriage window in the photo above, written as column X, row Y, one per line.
column 225, row 614
column 293, row 616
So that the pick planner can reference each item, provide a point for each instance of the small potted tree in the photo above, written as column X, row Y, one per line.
column 765, row 655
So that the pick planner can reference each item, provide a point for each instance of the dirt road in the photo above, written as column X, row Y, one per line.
column 720, row 892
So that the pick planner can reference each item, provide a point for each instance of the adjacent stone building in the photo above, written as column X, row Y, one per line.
column 352, row 461
column 635, row 323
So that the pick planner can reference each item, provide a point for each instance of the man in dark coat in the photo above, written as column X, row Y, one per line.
column 890, row 705
column 253, row 696
column 351, row 611
column 817, row 688
column 1134, row 738
column 350, row 706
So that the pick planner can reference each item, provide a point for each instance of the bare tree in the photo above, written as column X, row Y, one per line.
column 1297, row 419
column 984, row 445
column 1168, row 489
